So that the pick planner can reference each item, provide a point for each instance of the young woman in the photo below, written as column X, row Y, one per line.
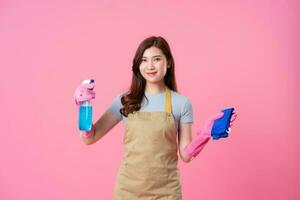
column 158, row 123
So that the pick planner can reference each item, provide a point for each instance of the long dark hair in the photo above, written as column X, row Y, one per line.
column 132, row 99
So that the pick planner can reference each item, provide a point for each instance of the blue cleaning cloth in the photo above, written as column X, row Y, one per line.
column 221, row 125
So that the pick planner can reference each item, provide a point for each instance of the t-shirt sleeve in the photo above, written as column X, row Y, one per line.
column 186, row 115
column 115, row 107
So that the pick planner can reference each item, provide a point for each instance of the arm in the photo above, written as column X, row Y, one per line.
column 184, row 138
column 104, row 124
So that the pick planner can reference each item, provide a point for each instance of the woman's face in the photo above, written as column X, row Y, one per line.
column 153, row 66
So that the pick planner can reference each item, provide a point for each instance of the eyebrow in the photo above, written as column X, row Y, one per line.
column 153, row 56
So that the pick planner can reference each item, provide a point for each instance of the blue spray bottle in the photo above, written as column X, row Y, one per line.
column 85, row 118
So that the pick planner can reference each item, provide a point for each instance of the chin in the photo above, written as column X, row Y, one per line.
column 154, row 81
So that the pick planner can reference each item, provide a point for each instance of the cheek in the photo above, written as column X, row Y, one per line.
column 163, row 71
column 142, row 70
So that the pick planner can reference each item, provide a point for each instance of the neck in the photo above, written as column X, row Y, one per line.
column 155, row 87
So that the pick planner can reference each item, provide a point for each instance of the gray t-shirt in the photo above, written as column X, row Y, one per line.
column 181, row 106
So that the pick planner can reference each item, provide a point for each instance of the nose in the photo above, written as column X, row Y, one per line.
column 150, row 65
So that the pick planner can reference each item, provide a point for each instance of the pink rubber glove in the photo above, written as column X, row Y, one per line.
column 202, row 137
column 83, row 93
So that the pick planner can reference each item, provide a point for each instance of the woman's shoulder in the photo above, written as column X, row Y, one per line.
column 116, row 102
column 119, row 95
column 182, row 107
column 179, row 97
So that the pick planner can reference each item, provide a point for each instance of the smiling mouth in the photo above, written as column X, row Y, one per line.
column 151, row 73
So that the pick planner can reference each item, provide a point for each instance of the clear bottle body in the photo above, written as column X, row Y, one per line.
column 85, row 117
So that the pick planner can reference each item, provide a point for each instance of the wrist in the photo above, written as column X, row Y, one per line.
column 88, row 134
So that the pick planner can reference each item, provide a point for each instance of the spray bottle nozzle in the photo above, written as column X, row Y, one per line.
column 88, row 81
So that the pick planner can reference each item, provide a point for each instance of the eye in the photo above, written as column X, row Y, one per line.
column 157, row 59
column 143, row 60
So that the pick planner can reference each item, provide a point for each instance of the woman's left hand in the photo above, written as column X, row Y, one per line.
column 204, row 134
column 208, row 124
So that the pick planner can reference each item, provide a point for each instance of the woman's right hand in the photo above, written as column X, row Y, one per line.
column 84, row 92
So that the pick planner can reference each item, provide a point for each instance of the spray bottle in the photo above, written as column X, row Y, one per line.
column 85, row 118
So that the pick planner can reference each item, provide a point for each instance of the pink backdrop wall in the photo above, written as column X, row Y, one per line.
column 227, row 53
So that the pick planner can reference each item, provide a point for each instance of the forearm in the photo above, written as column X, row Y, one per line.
column 192, row 149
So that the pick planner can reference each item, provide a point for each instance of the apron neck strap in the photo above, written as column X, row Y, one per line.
column 168, row 101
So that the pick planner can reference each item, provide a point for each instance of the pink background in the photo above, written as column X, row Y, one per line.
column 227, row 53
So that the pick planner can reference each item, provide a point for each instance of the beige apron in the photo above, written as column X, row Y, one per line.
column 149, row 167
